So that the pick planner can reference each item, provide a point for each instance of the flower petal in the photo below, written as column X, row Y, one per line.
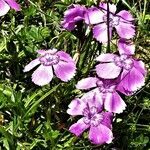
column 125, row 15
column 75, row 11
column 68, row 25
column 93, row 16
column 114, row 103
column 13, row 5
column 65, row 70
column 93, row 98
column 78, row 127
column 123, row 84
column 43, row 52
column 76, row 107
column 112, row 7
column 125, row 30
column 42, row 75
column 100, row 32
column 108, row 70
column 106, row 57
column 87, row 83
column 131, row 81
column 64, row 56
column 107, row 119
column 100, row 134
column 4, row 7
column 126, row 47
column 31, row 65
column 139, row 65
column 74, row 14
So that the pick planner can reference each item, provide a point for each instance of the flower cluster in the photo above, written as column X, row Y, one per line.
column 116, row 73
column 121, row 21
column 97, row 18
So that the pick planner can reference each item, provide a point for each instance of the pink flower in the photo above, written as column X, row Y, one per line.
column 61, row 62
column 94, row 118
column 5, row 6
column 73, row 15
column 130, row 70
column 121, row 21
column 105, row 92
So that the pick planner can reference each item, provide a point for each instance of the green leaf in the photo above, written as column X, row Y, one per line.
column 147, row 17
column 41, row 99
column 2, row 43
column 8, row 136
column 6, row 144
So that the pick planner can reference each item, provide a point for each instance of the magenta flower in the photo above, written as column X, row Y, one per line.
column 94, row 118
column 61, row 62
column 121, row 21
column 5, row 6
column 131, row 71
column 71, row 16
column 106, row 93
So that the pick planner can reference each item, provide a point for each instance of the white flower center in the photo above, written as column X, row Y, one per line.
column 113, row 20
column 124, row 61
column 49, row 59
column 92, row 116
column 105, row 89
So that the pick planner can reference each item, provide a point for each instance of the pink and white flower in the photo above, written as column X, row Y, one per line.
column 130, row 70
column 63, row 65
column 74, row 14
column 99, row 122
column 105, row 92
column 122, row 22
column 5, row 6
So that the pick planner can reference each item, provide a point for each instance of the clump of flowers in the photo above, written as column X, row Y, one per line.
column 106, row 91
column 63, row 65
column 5, row 6
column 116, row 73
column 122, row 22
column 131, row 71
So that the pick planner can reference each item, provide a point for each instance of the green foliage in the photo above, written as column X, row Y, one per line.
column 33, row 117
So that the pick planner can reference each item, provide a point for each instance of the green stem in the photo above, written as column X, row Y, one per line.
column 108, row 26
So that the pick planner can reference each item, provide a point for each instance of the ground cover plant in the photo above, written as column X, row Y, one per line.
column 74, row 74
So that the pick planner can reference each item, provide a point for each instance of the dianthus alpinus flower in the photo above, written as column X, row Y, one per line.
column 59, row 61
column 105, row 91
column 5, row 6
column 74, row 14
column 122, row 22
column 99, row 122
column 130, row 70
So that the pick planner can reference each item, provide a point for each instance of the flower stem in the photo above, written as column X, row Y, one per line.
column 108, row 31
